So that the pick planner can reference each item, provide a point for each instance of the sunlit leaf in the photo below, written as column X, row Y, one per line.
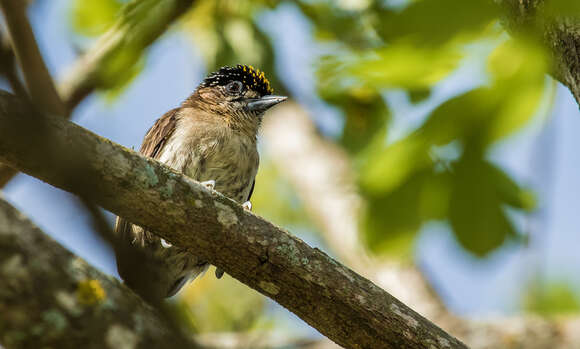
column 385, row 169
column 208, row 304
column 398, row 65
column 93, row 17
column 284, row 208
column 552, row 298
column 518, row 68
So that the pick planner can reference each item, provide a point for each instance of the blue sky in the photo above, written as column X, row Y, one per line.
column 542, row 156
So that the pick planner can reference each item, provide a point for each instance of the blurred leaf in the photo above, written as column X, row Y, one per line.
column 119, row 71
column 509, row 191
column 419, row 95
column 398, row 65
column 366, row 115
column 392, row 220
column 476, row 207
column 551, row 299
column 209, row 304
column 353, row 26
column 228, row 33
column 518, row 68
column 558, row 8
column 93, row 17
column 433, row 22
column 284, row 208
column 115, row 58
column 386, row 169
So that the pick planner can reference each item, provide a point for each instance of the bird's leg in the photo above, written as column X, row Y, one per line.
column 247, row 205
column 209, row 184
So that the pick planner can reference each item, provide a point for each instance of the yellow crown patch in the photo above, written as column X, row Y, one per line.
column 254, row 79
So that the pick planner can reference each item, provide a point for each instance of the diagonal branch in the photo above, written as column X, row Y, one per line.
column 140, row 23
column 50, row 298
column 341, row 304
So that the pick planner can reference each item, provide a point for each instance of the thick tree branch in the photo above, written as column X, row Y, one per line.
column 341, row 304
column 141, row 22
column 50, row 298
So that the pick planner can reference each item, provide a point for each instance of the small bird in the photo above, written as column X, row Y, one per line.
column 211, row 138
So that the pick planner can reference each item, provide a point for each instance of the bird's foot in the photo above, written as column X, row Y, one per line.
column 165, row 244
column 247, row 206
column 209, row 184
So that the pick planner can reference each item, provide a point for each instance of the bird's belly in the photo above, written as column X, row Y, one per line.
column 232, row 170
column 233, row 182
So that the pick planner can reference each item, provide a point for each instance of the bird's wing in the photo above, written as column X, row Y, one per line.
column 135, row 265
column 152, row 145
column 159, row 133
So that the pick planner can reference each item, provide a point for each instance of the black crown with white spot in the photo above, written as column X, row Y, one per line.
column 251, row 77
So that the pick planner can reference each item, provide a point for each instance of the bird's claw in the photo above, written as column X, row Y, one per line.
column 247, row 206
column 165, row 244
column 209, row 184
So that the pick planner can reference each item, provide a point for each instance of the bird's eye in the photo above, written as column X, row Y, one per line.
column 234, row 87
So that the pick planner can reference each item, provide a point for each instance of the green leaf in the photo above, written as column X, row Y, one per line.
column 391, row 220
column 518, row 68
column 366, row 114
column 93, row 17
column 433, row 22
column 353, row 27
column 559, row 8
column 387, row 168
column 398, row 65
column 552, row 298
column 419, row 95
column 476, row 207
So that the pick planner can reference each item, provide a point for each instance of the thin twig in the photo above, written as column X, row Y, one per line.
column 8, row 66
column 38, row 80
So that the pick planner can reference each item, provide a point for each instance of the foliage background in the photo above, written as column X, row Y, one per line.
column 463, row 146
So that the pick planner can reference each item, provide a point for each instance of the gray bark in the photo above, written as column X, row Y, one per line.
column 51, row 299
column 341, row 304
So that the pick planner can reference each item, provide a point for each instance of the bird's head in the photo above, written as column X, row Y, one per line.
column 241, row 92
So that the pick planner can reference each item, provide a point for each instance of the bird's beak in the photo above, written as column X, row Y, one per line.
column 262, row 104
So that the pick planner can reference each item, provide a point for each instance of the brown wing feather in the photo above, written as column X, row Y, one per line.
column 159, row 133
